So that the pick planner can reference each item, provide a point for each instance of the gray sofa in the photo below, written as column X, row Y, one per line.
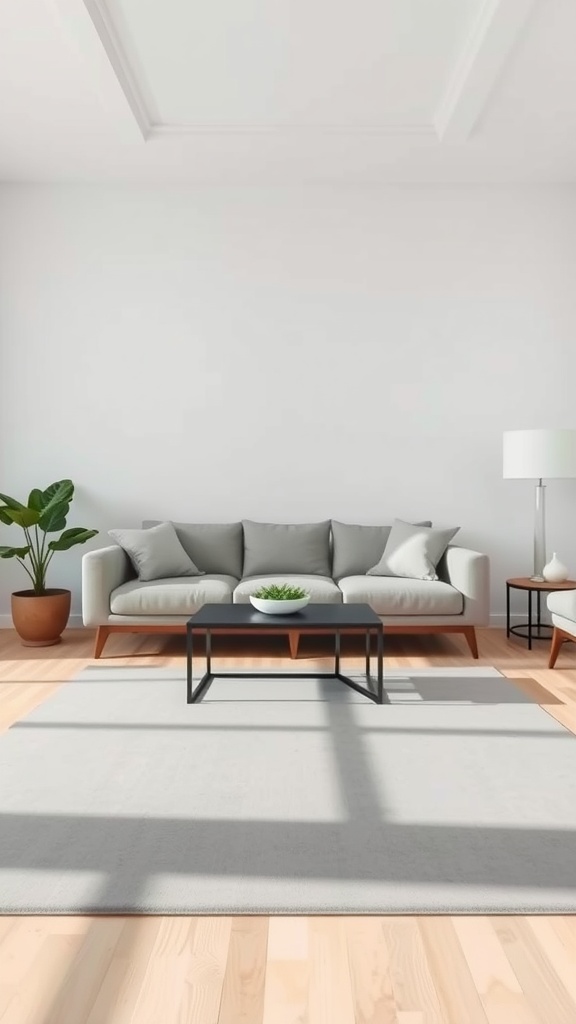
column 331, row 560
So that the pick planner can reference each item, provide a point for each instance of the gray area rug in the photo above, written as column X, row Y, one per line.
column 281, row 796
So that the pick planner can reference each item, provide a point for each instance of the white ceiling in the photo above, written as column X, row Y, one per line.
column 288, row 91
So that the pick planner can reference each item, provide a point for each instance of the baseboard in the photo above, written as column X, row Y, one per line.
column 74, row 622
column 499, row 621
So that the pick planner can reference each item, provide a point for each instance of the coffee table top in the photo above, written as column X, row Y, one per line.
column 314, row 616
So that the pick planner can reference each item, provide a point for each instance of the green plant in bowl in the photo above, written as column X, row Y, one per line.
column 281, row 592
column 279, row 599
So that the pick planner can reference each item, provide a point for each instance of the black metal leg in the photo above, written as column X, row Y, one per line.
column 539, row 620
column 507, row 609
column 529, row 620
column 381, row 667
column 378, row 694
column 188, row 665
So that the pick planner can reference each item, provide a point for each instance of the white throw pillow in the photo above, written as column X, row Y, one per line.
column 413, row 551
column 156, row 553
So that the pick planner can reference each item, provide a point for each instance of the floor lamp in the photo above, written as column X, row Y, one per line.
column 535, row 454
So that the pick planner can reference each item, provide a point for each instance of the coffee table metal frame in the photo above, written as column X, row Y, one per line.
column 258, row 624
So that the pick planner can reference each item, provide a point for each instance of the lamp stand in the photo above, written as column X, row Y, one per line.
column 539, row 533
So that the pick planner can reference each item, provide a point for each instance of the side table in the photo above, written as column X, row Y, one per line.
column 534, row 629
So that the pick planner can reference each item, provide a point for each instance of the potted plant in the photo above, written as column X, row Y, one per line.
column 279, row 599
column 41, row 613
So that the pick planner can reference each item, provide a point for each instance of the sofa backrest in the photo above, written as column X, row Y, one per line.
column 292, row 548
column 213, row 547
column 249, row 548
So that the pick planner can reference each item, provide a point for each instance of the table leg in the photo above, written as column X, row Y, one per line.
column 208, row 652
column 507, row 609
column 529, row 620
column 368, row 643
column 189, row 645
column 539, row 622
column 381, row 666
column 337, row 652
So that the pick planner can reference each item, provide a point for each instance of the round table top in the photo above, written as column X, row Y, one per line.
column 525, row 583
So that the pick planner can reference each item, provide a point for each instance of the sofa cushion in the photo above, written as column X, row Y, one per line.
column 156, row 553
column 393, row 595
column 171, row 596
column 357, row 548
column 302, row 548
column 213, row 547
column 322, row 589
column 413, row 551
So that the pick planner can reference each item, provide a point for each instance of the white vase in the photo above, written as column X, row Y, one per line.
column 555, row 571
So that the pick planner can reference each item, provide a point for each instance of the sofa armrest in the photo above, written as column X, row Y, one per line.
column 102, row 571
column 563, row 603
column 469, row 572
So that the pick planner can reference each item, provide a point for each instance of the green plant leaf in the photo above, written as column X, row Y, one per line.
column 77, row 535
column 62, row 490
column 11, row 502
column 4, row 518
column 35, row 500
column 23, row 517
column 281, row 592
column 13, row 552
column 53, row 518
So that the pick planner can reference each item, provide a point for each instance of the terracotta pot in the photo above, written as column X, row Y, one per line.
column 40, row 619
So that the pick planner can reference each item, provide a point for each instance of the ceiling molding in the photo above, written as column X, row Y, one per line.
column 168, row 130
column 481, row 61
column 104, row 25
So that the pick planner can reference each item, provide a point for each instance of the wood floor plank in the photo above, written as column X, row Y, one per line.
column 457, row 994
column 39, row 989
column 496, row 983
column 287, row 981
column 124, row 980
column 369, row 961
column 243, row 990
column 412, row 982
column 205, row 977
column 539, row 980
column 555, row 952
column 165, row 991
column 79, row 990
column 330, row 998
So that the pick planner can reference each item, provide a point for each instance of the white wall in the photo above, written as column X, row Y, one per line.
column 289, row 355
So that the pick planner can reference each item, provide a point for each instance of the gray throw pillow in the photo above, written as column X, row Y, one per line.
column 302, row 548
column 156, row 553
column 413, row 551
column 213, row 547
column 356, row 548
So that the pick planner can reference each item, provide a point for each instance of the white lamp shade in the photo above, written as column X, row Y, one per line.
column 530, row 454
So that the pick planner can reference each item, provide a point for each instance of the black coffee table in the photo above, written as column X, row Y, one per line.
column 315, row 618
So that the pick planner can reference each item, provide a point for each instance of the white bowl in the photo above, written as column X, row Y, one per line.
column 263, row 604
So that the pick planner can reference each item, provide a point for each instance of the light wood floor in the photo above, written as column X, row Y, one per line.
column 283, row 970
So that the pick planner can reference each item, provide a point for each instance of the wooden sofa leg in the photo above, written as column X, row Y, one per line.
column 101, row 637
column 558, row 639
column 470, row 634
column 294, row 637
